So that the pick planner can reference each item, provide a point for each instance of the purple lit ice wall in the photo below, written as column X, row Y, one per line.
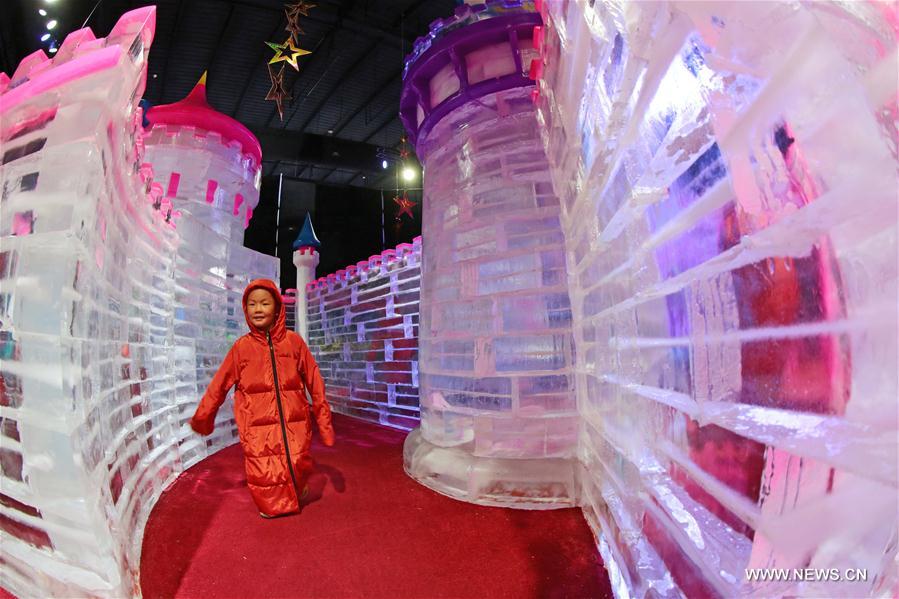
column 114, row 300
column 499, row 420
column 728, row 177
column 363, row 332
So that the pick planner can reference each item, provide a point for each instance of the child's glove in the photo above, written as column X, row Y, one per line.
column 200, row 427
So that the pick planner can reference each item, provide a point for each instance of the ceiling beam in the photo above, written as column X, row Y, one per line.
column 384, row 123
column 346, row 72
column 169, row 52
column 318, row 150
column 380, row 90
column 221, row 36
column 353, row 25
column 253, row 71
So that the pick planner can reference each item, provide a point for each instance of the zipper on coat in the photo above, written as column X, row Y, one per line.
column 293, row 477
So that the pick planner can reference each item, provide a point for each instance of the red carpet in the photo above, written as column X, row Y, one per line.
column 367, row 530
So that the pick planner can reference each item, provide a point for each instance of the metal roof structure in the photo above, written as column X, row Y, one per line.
column 342, row 121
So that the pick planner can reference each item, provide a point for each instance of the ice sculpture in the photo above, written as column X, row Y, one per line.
column 305, row 259
column 292, row 306
column 498, row 414
column 727, row 172
column 97, row 359
column 363, row 331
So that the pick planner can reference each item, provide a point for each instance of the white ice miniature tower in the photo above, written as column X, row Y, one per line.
column 305, row 258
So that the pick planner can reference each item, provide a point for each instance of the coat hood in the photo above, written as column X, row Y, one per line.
column 279, row 329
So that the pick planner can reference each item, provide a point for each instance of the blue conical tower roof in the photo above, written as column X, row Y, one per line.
column 307, row 237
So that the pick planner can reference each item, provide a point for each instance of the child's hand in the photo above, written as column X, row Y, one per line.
column 199, row 428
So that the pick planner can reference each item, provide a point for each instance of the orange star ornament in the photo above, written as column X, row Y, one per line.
column 287, row 52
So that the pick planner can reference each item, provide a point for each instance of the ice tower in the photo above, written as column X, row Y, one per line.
column 209, row 163
column 498, row 414
column 112, row 310
column 305, row 258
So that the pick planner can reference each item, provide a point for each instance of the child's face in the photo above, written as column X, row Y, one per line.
column 261, row 309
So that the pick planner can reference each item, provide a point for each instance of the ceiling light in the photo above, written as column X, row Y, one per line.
column 52, row 50
column 330, row 131
column 45, row 37
column 51, row 24
column 383, row 164
column 408, row 173
column 42, row 12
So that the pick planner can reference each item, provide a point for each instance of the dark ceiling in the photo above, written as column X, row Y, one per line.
column 342, row 121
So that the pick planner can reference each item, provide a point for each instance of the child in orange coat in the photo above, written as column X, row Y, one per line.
column 272, row 367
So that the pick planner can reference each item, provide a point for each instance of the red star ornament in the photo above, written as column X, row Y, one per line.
column 278, row 93
column 299, row 8
column 293, row 26
column 405, row 205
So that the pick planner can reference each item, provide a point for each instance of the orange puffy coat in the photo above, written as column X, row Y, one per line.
column 271, row 371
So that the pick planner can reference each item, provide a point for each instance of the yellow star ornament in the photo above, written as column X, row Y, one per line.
column 287, row 52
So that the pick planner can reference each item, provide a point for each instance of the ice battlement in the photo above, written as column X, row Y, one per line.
column 80, row 56
column 343, row 277
column 363, row 331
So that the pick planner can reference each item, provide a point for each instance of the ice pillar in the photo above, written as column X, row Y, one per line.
column 499, row 421
column 305, row 258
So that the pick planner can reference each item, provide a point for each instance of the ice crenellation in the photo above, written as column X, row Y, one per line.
column 120, row 290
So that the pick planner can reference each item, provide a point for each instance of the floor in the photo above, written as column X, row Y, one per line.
column 366, row 530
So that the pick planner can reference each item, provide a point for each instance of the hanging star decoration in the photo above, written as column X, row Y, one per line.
column 293, row 28
column 405, row 205
column 287, row 52
column 404, row 152
column 278, row 93
column 293, row 13
column 299, row 8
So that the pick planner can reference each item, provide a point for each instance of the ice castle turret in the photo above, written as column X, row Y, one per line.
column 498, row 414
column 206, row 159
column 305, row 258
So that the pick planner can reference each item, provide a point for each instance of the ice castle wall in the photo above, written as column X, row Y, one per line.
column 363, row 332
column 728, row 178
column 92, row 275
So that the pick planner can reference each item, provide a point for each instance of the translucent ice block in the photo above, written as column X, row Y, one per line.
column 727, row 173
column 363, row 332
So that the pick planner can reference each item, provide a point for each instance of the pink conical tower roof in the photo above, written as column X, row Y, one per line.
column 195, row 111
